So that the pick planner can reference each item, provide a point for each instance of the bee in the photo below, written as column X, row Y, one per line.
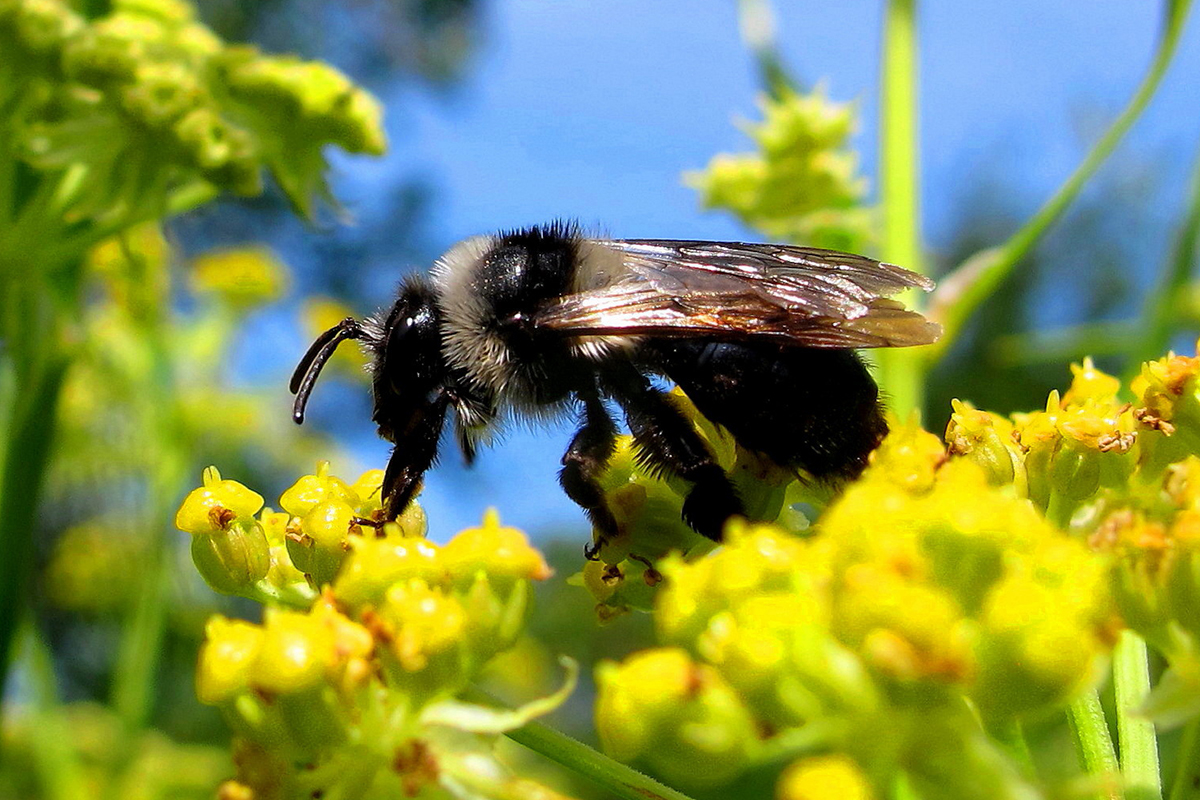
column 535, row 322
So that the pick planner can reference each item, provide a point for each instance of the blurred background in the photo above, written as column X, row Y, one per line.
column 505, row 113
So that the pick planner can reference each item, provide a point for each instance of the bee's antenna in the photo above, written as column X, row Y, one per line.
column 305, row 376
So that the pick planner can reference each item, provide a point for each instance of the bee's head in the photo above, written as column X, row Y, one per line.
column 408, row 371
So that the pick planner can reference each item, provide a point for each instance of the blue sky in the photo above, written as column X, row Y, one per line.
column 592, row 110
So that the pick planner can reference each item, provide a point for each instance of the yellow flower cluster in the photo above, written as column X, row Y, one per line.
column 648, row 505
column 143, row 98
column 924, row 586
column 954, row 589
column 803, row 184
column 352, row 690
column 1121, row 476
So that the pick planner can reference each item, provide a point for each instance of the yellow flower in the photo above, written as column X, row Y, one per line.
column 215, row 505
column 499, row 551
column 374, row 565
column 679, row 717
column 226, row 658
column 311, row 490
column 833, row 777
column 242, row 277
column 987, row 440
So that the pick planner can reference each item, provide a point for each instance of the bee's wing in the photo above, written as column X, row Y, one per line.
column 730, row 290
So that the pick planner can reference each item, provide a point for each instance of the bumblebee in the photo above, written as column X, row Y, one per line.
column 535, row 322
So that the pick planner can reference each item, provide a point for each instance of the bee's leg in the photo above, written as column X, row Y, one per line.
column 413, row 454
column 667, row 441
column 583, row 463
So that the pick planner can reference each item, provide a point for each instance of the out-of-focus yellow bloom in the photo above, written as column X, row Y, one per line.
column 226, row 659
column 421, row 632
column 79, row 575
column 241, row 277
column 833, row 777
column 909, row 457
column 803, row 184
column 677, row 716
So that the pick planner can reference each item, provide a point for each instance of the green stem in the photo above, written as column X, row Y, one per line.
column 1092, row 739
column 30, row 431
column 1104, row 338
column 55, row 758
column 1161, row 313
column 620, row 780
column 1011, row 736
column 902, row 788
column 900, row 371
column 756, row 22
column 1186, row 785
column 1135, row 733
column 973, row 282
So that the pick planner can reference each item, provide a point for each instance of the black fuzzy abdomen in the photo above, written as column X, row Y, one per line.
column 811, row 408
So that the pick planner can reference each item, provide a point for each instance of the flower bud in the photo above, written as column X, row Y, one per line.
column 232, row 560
column 679, row 718
column 986, row 439
column 421, row 632
column 323, row 540
column 161, row 94
column 311, row 490
column 44, row 26
column 374, row 565
column 213, row 506
column 294, row 653
column 503, row 553
column 1089, row 383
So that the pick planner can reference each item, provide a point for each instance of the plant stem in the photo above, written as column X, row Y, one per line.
column 55, row 757
column 620, row 780
column 756, row 22
column 28, row 437
column 1161, row 312
column 1011, row 737
column 900, row 371
column 1186, row 785
column 1135, row 734
column 1105, row 338
column 978, row 277
column 1092, row 740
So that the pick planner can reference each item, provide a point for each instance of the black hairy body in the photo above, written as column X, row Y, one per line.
column 533, row 322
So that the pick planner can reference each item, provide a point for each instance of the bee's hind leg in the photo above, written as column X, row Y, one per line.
column 584, row 462
column 666, row 441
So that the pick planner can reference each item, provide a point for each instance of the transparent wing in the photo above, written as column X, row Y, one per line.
column 731, row 290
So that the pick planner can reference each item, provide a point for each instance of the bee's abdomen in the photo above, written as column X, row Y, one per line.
column 811, row 408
